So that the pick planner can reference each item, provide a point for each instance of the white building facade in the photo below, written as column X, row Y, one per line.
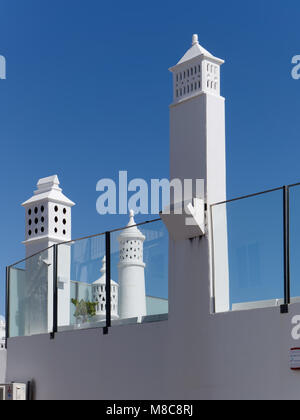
column 195, row 354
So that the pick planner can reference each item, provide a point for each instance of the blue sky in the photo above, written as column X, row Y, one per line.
column 88, row 90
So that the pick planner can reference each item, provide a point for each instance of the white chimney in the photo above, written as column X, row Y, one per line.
column 131, row 267
column 47, row 223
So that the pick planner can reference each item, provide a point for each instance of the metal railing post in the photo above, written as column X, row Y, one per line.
column 55, row 293
column 108, row 282
column 286, row 232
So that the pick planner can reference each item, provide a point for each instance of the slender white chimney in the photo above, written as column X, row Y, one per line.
column 99, row 295
column 132, row 292
column 47, row 223
column 197, row 151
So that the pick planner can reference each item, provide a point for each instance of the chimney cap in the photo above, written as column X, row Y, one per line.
column 48, row 190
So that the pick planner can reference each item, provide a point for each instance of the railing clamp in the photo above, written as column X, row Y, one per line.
column 284, row 309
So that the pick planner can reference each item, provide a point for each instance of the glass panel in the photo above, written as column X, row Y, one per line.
column 31, row 296
column 139, row 286
column 248, row 252
column 295, row 243
column 81, row 284
column 139, row 261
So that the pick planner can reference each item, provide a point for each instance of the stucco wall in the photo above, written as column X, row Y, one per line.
column 240, row 355
column 2, row 366
column 193, row 355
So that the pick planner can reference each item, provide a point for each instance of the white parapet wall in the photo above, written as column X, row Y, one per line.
column 3, row 356
column 194, row 354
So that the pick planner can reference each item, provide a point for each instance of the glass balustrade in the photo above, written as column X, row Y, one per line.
column 68, row 286
column 248, row 252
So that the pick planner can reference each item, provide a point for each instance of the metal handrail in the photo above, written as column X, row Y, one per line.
column 83, row 238
column 55, row 278
column 255, row 194
column 286, row 234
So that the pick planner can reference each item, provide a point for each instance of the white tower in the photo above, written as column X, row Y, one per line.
column 99, row 295
column 132, row 302
column 198, row 71
column 48, row 222
column 197, row 147
column 48, row 216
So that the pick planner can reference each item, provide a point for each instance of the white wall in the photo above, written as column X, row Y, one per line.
column 2, row 366
column 197, row 151
column 239, row 355
column 193, row 355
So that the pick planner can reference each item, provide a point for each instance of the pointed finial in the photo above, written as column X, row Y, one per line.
column 131, row 218
column 103, row 269
column 48, row 184
column 195, row 40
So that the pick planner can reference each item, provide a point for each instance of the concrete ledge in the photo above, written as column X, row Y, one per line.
column 115, row 323
column 260, row 304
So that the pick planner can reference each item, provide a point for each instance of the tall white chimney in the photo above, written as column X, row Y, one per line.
column 47, row 223
column 197, row 151
column 132, row 292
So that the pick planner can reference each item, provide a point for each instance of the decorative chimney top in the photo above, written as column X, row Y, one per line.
column 102, row 279
column 48, row 189
column 197, row 72
column 99, row 294
column 48, row 184
column 48, row 215
column 131, row 229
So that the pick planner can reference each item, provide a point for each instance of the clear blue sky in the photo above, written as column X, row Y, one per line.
column 88, row 91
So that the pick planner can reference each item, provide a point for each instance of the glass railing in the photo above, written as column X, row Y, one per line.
column 30, row 295
column 294, row 242
column 121, row 277
column 115, row 278
column 256, row 250
column 139, row 266
column 78, row 268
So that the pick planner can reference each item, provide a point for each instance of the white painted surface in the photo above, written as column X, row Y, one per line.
column 64, row 287
column 48, row 222
column 197, row 71
column 186, row 224
column 132, row 302
column 3, row 356
column 48, row 216
column 193, row 355
column 197, row 151
column 99, row 295
column 244, row 306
